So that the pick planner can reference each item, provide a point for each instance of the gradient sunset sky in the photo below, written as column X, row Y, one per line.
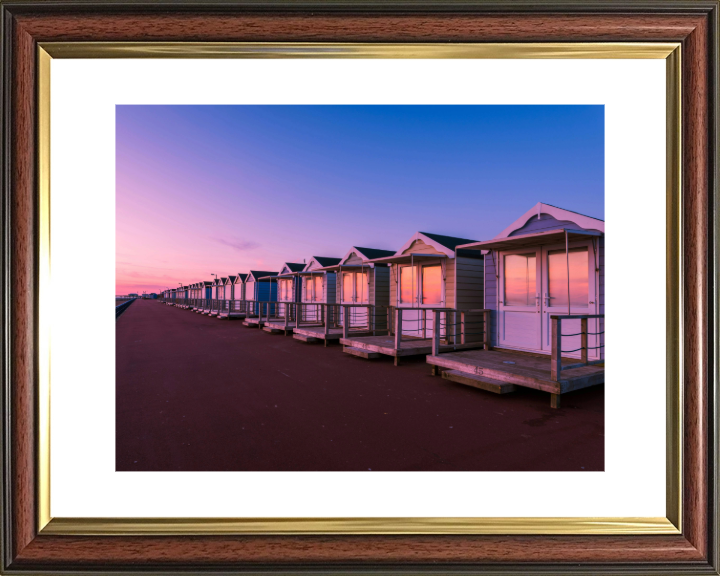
column 226, row 189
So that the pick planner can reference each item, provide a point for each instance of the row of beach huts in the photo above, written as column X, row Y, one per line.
column 525, row 308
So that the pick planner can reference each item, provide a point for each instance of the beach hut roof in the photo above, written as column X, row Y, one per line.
column 444, row 245
column 560, row 214
column 562, row 222
column 240, row 278
column 230, row 280
column 257, row 274
column 365, row 254
column 289, row 268
column 369, row 253
column 322, row 261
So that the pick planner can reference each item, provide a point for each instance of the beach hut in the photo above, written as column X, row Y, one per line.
column 318, row 289
column 183, row 296
column 238, row 308
column 545, row 288
column 228, row 297
column 427, row 274
column 363, row 288
column 259, row 287
column 206, row 291
column 289, row 292
column 218, row 292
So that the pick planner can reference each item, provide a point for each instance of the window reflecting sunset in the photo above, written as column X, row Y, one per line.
column 520, row 273
column 557, row 277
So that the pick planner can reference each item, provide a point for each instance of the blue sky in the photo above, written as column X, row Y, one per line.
column 225, row 189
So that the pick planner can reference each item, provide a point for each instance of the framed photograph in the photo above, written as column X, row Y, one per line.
column 359, row 259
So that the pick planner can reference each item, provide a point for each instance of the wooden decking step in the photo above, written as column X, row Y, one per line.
column 304, row 338
column 367, row 354
column 482, row 382
column 271, row 330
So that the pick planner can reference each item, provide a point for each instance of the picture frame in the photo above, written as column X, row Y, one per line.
column 685, row 32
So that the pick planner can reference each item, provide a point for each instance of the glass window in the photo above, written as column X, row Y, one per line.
column 558, row 278
column 406, row 285
column 431, row 284
column 347, row 287
column 318, row 289
column 520, row 273
column 361, row 288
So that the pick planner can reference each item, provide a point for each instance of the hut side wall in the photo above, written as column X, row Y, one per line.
column 470, row 294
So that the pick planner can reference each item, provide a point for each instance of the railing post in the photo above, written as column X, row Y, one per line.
column 462, row 327
column 424, row 321
column 436, row 333
column 556, row 347
column 486, row 329
column 346, row 321
column 398, row 327
column 584, row 340
column 326, row 314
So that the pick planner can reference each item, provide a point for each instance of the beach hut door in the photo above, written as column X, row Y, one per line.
column 555, row 287
column 355, row 291
column 421, row 287
column 519, row 320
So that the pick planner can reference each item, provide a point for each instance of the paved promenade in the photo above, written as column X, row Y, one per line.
column 198, row 393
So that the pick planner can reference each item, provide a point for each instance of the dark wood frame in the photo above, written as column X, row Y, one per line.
column 693, row 23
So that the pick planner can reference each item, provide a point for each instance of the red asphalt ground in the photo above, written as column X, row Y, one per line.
column 200, row 394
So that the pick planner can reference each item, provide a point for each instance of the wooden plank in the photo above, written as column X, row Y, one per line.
column 361, row 353
column 304, row 338
column 481, row 382
column 449, row 361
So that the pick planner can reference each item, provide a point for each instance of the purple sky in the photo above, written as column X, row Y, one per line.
column 226, row 189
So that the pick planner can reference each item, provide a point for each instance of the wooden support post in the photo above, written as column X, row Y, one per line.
column 436, row 333
column 346, row 321
column 554, row 400
column 556, row 347
column 398, row 329
column 298, row 313
column 389, row 320
column 462, row 327
column 433, row 370
column 424, row 321
column 326, row 309
column 584, row 340
column 486, row 329
column 397, row 361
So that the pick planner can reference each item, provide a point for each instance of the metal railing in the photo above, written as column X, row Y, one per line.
column 120, row 308
column 556, row 366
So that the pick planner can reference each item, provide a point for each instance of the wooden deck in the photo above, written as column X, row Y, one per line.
column 386, row 345
column 231, row 315
column 531, row 371
column 278, row 327
column 254, row 321
column 332, row 333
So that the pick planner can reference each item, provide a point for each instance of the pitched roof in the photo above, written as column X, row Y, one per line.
column 242, row 277
column 450, row 242
column 259, row 274
column 560, row 214
column 324, row 261
column 231, row 280
column 371, row 253
column 294, row 266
